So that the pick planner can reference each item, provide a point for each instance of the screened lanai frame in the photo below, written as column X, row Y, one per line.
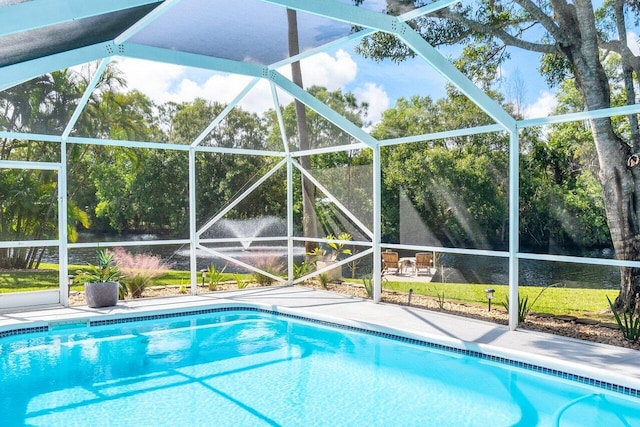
column 29, row 15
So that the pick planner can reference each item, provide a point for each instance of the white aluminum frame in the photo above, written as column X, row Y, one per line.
column 39, row 13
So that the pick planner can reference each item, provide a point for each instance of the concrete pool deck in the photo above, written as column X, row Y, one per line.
column 615, row 365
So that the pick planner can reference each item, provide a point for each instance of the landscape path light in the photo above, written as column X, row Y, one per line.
column 489, row 292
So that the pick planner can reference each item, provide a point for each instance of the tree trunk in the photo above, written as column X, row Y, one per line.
column 619, row 184
column 309, row 220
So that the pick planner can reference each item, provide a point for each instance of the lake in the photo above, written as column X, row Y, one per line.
column 457, row 268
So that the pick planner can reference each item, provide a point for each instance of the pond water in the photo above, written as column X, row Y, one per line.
column 457, row 268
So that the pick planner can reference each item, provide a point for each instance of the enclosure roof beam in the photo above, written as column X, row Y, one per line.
column 582, row 115
column 447, row 70
column 36, row 14
column 14, row 74
column 22, row 164
column 331, row 149
column 394, row 25
column 358, row 35
column 442, row 135
column 343, row 12
column 157, row 54
column 323, row 48
column 31, row 136
column 321, row 108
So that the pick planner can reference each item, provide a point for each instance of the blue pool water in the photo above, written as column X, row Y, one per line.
column 246, row 368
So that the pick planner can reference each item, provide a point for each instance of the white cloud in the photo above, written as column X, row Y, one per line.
column 166, row 82
column 150, row 78
column 542, row 107
column 328, row 71
column 377, row 99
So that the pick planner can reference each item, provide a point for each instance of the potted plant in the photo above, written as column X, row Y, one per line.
column 101, row 281
column 324, row 257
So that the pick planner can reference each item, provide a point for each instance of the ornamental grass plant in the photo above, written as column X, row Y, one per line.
column 139, row 271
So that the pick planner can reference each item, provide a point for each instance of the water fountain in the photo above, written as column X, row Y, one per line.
column 247, row 231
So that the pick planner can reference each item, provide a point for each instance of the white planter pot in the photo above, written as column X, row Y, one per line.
column 101, row 294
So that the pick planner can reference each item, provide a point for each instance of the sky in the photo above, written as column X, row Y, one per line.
column 377, row 84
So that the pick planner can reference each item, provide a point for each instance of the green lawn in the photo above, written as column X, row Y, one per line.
column 47, row 278
column 571, row 301
column 577, row 302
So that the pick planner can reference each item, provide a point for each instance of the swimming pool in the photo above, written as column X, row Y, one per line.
column 240, row 367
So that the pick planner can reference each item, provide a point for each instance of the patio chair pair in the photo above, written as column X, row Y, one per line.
column 391, row 261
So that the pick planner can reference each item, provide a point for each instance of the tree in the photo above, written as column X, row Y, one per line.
column 336, row 171
column 309, row 220
column 28, row 202
column 459, row 192
column 573, row 39
column 220, row 176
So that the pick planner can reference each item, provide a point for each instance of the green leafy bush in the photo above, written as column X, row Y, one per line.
column 240, row 282
column 215, row 276
column 524, row 307
column 301, row 270
column 367, row 281
column 629, row 323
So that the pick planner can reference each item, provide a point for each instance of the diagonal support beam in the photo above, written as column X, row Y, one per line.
column 276, row 105
column 240, row 263
column 335, row 201
column 225, row 112
column 447, row 70
column 360, row 16
column 240, row 198
column 424, row 10
column 334, row 265
column 35, row 14
column 148, row 19
column 321, row 108
column 85, row 98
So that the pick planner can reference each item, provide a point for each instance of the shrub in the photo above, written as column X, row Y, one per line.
column 215, row 276
column 270, row 264
column 240, row 282
column 368, row 285
column 523, row 304
column 301, row 270
column 324, row 279
column 629, row 323
column 139, row 270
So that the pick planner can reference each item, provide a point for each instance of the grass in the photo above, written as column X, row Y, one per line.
column 47, row 278
column 567, row 301
column 556, row 300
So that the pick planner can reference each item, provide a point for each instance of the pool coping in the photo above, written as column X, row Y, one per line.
column 617, row 369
